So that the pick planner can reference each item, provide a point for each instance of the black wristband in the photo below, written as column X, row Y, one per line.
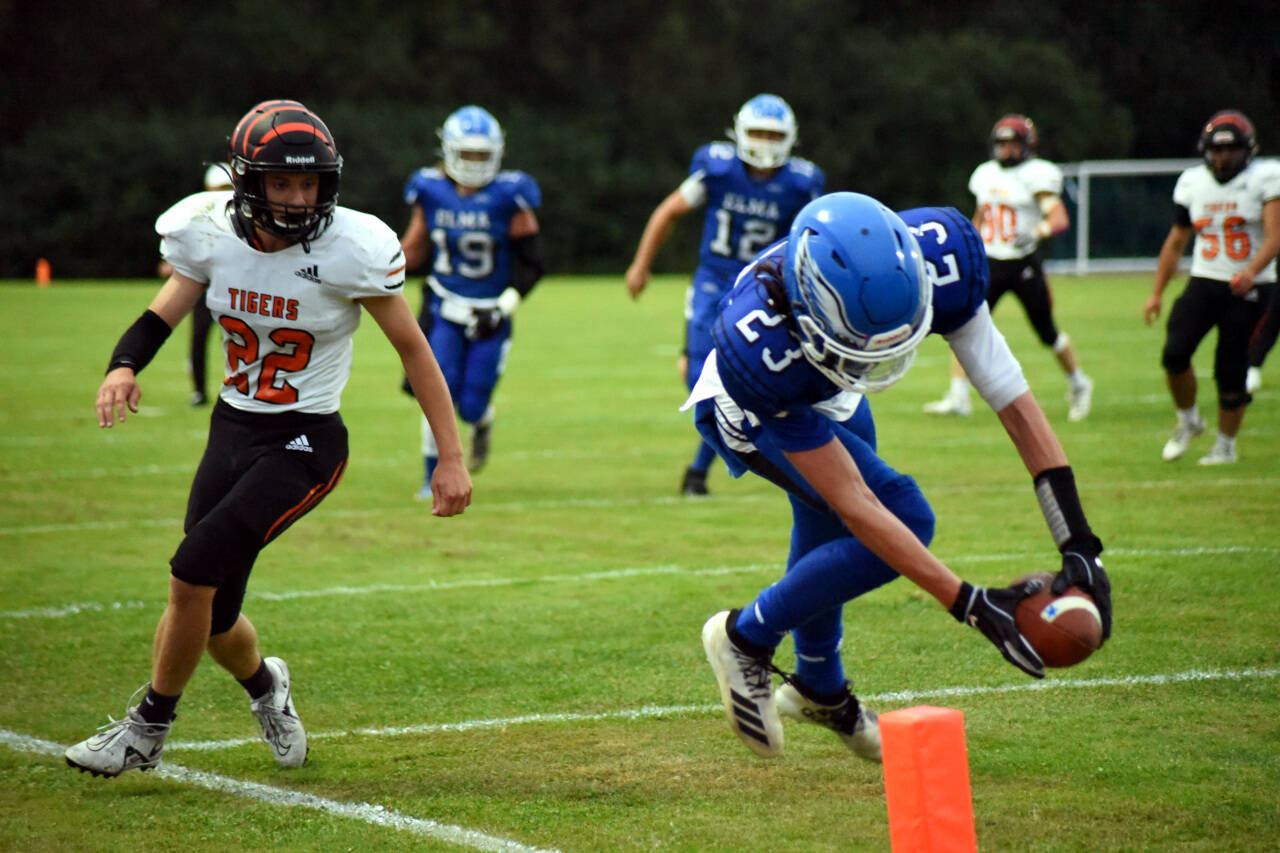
column 140, row 342
column 960, row 607
column 1060, row 503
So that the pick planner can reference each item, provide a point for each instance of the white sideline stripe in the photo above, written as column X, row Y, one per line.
column 612, row 503
column 440, row 586
column 653, row 711
column 366, row 812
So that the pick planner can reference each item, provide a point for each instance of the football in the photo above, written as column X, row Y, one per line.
column 1065, row 629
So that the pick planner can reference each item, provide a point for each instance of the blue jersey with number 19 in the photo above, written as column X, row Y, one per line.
column 471, row 254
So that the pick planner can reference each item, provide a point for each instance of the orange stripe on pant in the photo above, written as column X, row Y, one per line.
column 304, row 506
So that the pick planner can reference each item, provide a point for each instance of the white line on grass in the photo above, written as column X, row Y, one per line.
column 366, row 812
column 76, row 608
column 620, row 503
column 652, row 711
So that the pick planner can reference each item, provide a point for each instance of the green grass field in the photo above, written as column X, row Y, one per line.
column 529, row 675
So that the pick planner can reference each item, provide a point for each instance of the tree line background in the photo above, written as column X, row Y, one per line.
column 109, row 110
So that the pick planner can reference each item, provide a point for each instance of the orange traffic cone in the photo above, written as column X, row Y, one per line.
column 44, row 274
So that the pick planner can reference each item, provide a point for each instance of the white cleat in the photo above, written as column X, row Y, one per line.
column 120, row 745
column 1219, row 454
column 1080, row 401
column 1178, row 443
column 856, row 724
column 746, row 687
column 281, row 728
column 951, row 404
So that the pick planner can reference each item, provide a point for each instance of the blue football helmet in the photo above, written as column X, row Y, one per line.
column 768, row 113
column 471, row 141
column 859, row 291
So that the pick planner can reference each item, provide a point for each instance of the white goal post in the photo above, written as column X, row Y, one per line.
column 1120, row 211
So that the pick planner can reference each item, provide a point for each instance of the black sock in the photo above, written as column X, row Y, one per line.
column 158, row 708
column 260, row 683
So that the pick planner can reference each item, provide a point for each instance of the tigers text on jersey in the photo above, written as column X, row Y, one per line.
column 744, row 216
column 1228, row 217
column 470, row 247
column 1007, row 201
column 287, row 317
column 760, row 381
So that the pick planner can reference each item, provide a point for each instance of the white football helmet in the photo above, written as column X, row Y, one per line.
column 471, row 141
column 768, row 113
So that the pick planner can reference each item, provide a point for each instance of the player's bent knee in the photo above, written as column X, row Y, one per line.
column 1234, row 400
column 1174, row 361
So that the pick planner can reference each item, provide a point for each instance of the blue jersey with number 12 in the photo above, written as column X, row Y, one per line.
column 745, row 215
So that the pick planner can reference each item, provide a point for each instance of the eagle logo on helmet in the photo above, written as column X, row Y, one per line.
column 1228, row 130
column 283, row 136
column 1014, row 127
column 858, row 289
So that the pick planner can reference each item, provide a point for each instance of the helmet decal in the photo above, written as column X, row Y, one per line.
column 859, row 290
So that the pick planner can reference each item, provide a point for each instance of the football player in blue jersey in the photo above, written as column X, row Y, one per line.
column 836, row 311
column 752, row 190
column 478, row 227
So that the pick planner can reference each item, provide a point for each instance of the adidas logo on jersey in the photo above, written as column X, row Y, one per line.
column 299, row 443
column 311, row 273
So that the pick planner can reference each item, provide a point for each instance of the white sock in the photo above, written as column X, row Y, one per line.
column 959, row 387
column 1189, row 415
column 1227, row 442
column 1077, row 379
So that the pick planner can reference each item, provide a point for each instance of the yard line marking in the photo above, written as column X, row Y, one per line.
column 76, row 608
column 653, row 711
column 621, row 503
column 366, row 812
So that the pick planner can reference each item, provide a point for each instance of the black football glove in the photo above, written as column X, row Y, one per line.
column 991, row 612
column 485, row 323
column 1082, row 567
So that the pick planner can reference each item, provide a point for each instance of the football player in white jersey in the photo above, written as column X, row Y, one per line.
column 1231, row 204
column 286, row 273
column 1019, row 205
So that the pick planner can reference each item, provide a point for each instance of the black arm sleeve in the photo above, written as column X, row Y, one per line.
column 526, row 267
column 1181, row 216
column 140, row 343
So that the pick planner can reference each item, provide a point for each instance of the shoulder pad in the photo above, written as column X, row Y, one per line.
column 956, row 262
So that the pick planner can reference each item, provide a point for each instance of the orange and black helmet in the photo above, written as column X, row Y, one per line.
column 1014, row 127
column 1228, row 129
column 283, row 136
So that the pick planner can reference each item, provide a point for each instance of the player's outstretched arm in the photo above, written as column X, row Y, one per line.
column 119, row 390
column 656, row 232
column 450, row 484
column 1055, row 487
column 833, row 473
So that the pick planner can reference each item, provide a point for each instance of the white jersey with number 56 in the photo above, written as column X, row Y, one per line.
column 1007, row 202
column 1228, row 217
column 287, row 317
